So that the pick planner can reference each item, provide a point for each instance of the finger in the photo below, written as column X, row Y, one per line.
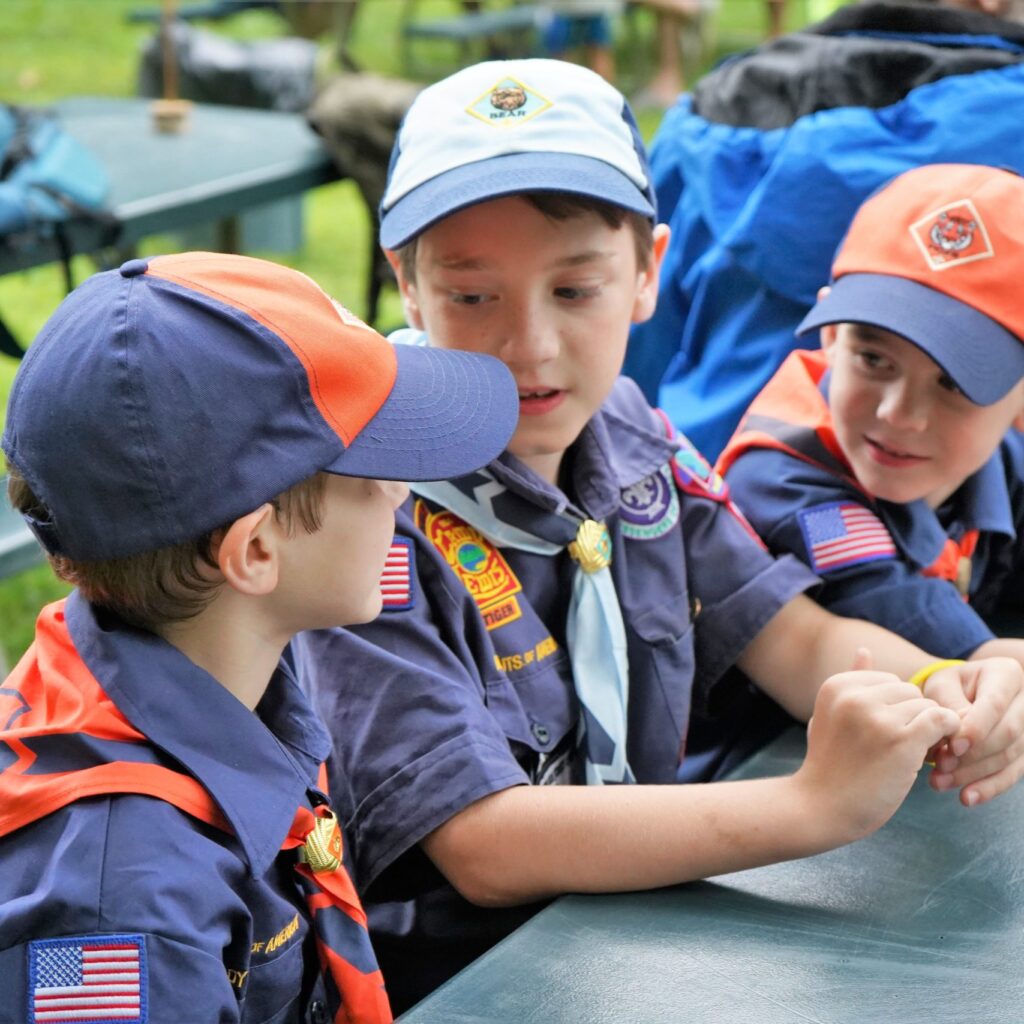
column 861, row 659
column 994, row 698
column 965, row 774
column 926, row 721
column 947, row 688
column 1007, row 731
column 992, row 785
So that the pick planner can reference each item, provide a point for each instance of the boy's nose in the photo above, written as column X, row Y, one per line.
column 396, row 491
column 529, row 335
column 904, row 407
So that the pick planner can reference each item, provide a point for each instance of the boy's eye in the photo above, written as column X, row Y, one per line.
column 468, row 298
column 871, row 359
column 948, row 384
column 574, row 293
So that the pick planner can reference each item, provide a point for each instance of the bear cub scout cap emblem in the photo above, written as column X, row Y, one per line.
column 952, row 236
column 508, row 102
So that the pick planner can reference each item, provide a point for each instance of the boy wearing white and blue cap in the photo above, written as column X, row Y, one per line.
column 891, row 460
column 567, row 612
column 205, row 445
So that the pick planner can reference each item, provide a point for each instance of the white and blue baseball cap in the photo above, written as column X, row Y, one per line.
column 506, row 127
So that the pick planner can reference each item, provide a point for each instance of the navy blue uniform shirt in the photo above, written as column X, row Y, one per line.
column 902, row 566
column 463, row 686
column 782, row 495
column 221, row 929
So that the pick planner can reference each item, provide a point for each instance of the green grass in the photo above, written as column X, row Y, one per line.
column 50, row 49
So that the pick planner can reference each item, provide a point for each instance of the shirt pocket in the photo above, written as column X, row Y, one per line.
column 535, row 708
column 661, row 672
column 272, row 994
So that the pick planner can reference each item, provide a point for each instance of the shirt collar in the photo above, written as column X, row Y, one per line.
column 983, row 500
column 982, row 503
column 614, row 451
column 258, row 767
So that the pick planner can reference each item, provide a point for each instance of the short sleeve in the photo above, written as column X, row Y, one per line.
column 739, row 585
column 405, row 701
column 800, row 510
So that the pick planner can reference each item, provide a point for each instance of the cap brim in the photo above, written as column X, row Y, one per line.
column 983, row 358
column 512, row 174
column 449, row 413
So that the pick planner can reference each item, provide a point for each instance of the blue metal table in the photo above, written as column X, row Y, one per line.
column 921, row 922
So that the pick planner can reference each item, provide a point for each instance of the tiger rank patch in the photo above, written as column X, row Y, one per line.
column 479, row 565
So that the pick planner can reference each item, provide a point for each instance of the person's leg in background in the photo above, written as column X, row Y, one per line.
column 776, row 17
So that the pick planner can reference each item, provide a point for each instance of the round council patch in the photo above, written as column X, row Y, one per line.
column 650, row 508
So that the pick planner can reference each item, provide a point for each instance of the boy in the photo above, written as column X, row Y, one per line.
column 519, row 221
column 891, row 461
column 201, row 532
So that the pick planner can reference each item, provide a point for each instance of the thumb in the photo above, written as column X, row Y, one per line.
column 861, row 660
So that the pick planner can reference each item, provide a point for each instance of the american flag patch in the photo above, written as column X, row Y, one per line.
column 841, row 534
column 396, row 579
column 92, row 979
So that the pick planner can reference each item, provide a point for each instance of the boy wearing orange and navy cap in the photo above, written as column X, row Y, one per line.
column 205, row 445
column 891, row 461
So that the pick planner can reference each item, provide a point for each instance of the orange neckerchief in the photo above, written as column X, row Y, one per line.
column 954, row 562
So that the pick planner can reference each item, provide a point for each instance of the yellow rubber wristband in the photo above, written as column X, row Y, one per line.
column 922, row 675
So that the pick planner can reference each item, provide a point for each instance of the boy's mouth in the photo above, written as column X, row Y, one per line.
column 888, row 456
column 537, row 401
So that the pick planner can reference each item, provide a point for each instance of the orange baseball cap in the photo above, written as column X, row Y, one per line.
column 937, row 256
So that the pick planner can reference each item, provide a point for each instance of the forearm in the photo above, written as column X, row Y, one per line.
column 804, row 644
column 1000, row 647
column 533, row 842
column 834, row 651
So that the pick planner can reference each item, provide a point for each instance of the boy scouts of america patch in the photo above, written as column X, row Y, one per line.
column 478, row 564
column 952, row 236
column 650, row 508
column 90, row 979
column 508, row 102
column 396, row 581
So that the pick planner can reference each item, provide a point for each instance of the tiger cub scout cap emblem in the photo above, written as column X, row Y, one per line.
column 937, row 256
column 955, row 234
column 504, row 128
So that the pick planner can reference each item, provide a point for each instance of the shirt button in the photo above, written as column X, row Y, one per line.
column 540, row 732
column 318, row 1013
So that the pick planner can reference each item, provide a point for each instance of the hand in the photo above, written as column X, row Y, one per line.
column 986, row 756
column 866, row 742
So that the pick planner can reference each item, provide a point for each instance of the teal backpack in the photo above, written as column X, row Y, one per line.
column 46, row 177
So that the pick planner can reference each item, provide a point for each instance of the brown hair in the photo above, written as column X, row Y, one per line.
column 561, row 206
column 168, row 584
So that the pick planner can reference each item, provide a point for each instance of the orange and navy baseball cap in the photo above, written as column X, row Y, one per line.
column 937, row 256
column 169, row 397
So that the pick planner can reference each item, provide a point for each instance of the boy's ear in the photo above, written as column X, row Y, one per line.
column 647, row 290
column 246, row 552
column 828, row 334
column 407, row 289
column 1018, row 423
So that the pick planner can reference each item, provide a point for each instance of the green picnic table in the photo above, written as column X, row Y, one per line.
column 921, row 922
